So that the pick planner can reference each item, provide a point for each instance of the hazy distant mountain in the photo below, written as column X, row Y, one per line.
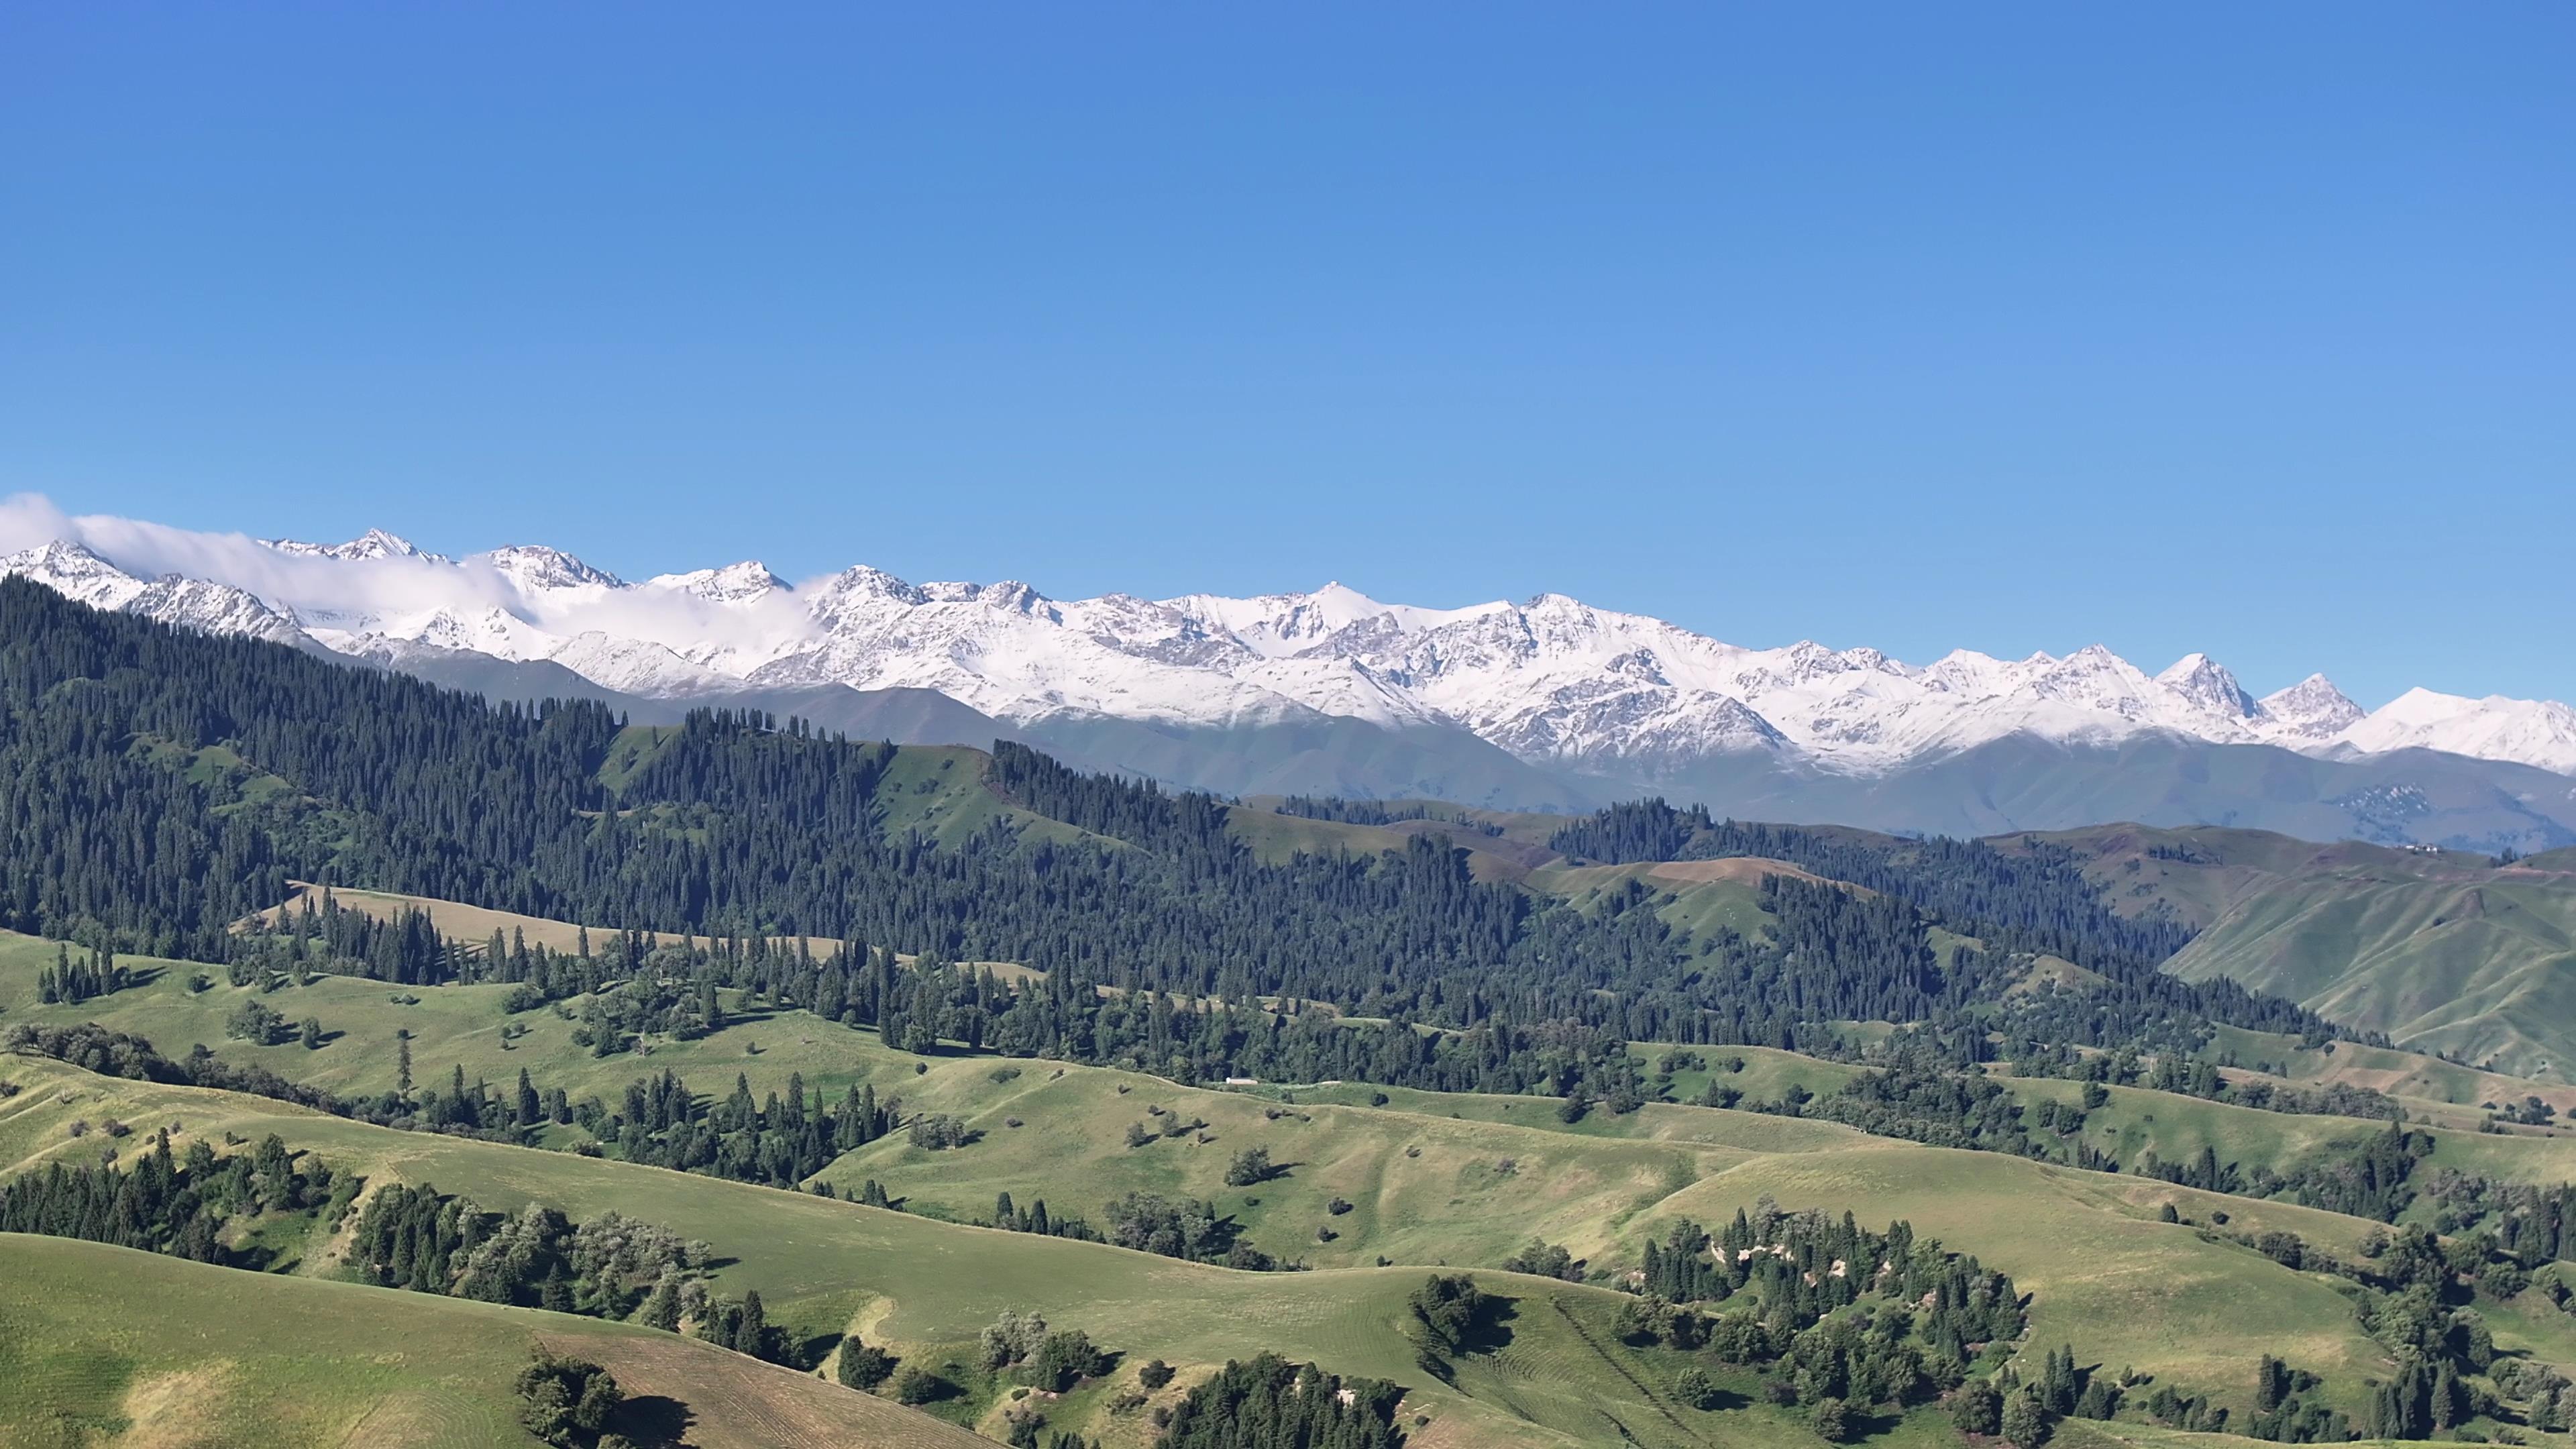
column 1550, row 702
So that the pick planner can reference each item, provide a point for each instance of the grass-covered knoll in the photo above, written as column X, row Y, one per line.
column 1702, row 897
column 938, row 790
column 2103, row 1274
column 1274, row 836
column 1756, row 1074
column 1523, row 833
column 109, row 1345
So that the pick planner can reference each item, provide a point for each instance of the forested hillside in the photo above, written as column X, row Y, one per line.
column 162, row 785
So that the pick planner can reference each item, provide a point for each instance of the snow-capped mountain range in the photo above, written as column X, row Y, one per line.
column 1552, row 682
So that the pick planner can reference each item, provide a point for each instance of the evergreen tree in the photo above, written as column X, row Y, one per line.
column 2025, row 1420
column 1977, row 1408
column 863, row 1366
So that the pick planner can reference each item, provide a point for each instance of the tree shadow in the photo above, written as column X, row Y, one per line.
column 653, row 1422
column 1859, row 1426
column 810, row 1351
column 936, row 1387
column 1490, row 1331
column 1723, row 1400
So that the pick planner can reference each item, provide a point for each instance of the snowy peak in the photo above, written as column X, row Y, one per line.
column 1552, row 680
column 735, row 583
column 2533, row 732
column 2209, row 685
column 2312, row 709
column 71, row 570
column 1279, row 626
column 75, row 572
column 375, row 543
column 535, row 567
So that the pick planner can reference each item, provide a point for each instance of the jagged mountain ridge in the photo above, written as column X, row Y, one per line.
column 1552, row 680
column 1569, row 702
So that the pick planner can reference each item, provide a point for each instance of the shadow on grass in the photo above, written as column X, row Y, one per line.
column 652, row 1421
column 1859, row 1427
column 1722, row 1400
column 1490, row 1331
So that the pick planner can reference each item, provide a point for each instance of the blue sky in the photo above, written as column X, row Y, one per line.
column 2237, row 328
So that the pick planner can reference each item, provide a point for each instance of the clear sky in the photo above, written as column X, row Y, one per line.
column 2245, row 328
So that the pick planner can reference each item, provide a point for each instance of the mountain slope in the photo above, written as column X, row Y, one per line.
column 2446, row 951
column 2481, row 965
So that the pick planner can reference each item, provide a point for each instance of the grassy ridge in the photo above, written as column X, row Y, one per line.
column 2424, row 1083
column 222, row 1357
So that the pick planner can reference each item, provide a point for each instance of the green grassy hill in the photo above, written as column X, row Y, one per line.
column 1431, row 1176
column 926, row 1288
column 2107, row 1277
column 2443, row 950
column 1705, row 896
column 108, row 1345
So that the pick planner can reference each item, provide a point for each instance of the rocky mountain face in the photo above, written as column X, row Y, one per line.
column 1546, row 701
